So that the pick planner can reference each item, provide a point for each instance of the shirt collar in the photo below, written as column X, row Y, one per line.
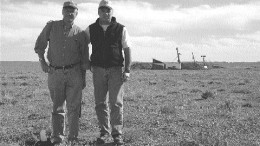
column 67, row 26
column 113, row 21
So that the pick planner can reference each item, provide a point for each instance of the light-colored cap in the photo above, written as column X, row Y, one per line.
column 70, row 4
column 105, row 3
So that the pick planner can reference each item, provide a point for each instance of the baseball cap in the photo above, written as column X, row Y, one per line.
column 70, row 4
column 105, row 3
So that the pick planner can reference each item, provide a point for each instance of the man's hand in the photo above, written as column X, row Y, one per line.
column 44, row 66
column 125, row 76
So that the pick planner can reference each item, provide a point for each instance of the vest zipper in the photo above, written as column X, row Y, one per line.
column 104, row 48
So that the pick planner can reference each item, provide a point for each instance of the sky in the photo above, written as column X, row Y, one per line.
column 223, row 30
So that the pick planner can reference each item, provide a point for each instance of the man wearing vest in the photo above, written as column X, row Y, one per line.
column 68, row 61
column 109, row 40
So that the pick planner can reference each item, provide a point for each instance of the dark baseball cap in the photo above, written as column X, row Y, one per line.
column 70, row 4
column 105, row 3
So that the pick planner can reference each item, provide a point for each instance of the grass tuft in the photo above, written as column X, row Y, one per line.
column 241, row 91
column 24, row 84
column 247, row 105
column 168, row 110
column 207, row 95
column 4, row 83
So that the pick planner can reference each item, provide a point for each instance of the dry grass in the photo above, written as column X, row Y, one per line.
column 217, row 107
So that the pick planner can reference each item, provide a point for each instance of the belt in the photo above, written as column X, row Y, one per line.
column 65, row 66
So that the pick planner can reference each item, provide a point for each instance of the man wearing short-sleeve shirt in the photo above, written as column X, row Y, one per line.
column 110, row 64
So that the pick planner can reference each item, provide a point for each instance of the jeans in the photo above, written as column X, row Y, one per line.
column 109, row 109
column 66, row 91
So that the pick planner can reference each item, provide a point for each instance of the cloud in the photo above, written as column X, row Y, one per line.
column 202, row 19
column 240, row 49
column 255, row 37
column 21, row 24
column 146, row 47
column 212, row 29
column 215, row 31
column 26, row 20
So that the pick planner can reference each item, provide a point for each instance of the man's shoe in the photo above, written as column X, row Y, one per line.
column 118, row 140
column 43, row 143
column 56, row 141
column 73, row 143
column 56, row 144
column 102, row 139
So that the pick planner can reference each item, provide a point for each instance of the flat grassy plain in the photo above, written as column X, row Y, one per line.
column 215, row 107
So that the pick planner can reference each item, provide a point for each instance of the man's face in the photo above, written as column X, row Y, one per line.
column 69, row 14
column 105, row 14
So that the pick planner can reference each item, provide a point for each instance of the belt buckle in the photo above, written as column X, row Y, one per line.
column 63, row 68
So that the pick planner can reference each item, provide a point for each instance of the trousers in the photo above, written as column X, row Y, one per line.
column 65, row 88
column 109, row 109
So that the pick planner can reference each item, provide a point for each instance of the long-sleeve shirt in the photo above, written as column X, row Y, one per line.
column 66, row 45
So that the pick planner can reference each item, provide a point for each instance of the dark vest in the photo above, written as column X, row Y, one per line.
column 106, row 46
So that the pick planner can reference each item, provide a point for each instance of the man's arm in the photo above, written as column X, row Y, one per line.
column 127, row 54
column 85, row 62
column 127, row 50
column 128, row 59
column 41, row 44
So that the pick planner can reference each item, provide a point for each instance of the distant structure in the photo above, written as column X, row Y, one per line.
column 203, row 58
column 178, row 55
column 193, row 58
column 159, row 65
column 178, row 66
column 157, row 61
column 204, row 64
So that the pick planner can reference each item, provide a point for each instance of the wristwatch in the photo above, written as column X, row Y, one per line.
column 127, row 70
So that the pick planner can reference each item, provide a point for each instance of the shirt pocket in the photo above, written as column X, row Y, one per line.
column 73, row 45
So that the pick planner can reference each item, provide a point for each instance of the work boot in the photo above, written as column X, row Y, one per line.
column 58, row 144
column 73, row 143
column 43, row 143
column 118, row 140
column 102, row 139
